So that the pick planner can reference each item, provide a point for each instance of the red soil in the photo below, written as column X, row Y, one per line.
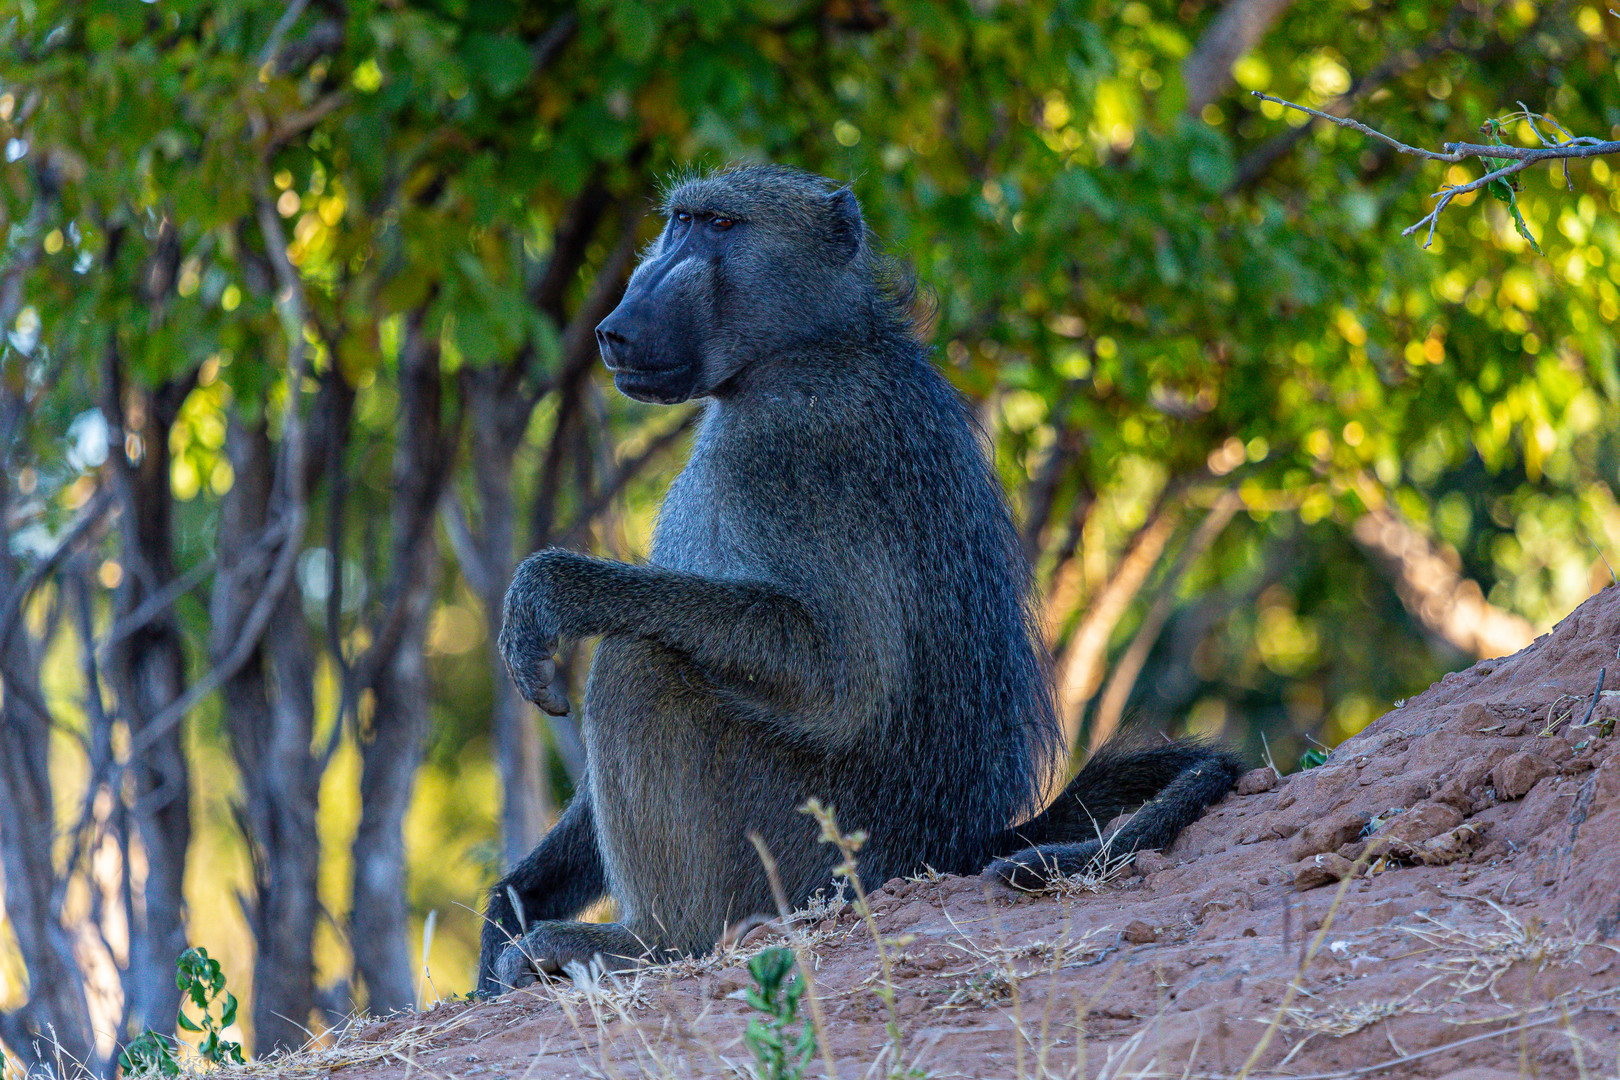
column 1478, row 938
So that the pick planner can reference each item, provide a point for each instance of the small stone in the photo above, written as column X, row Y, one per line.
column 1329, row 835
column 1253, row 783
column 1452, row 794
column 1319, row 870
column 1138, row 932
column 1150, row 862
column 1452, row 845
column 1516, row 774
column 1421, row 822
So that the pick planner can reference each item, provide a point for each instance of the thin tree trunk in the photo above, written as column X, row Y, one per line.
column 500, row 415
column 56, row 1011
column 269, row 714
column 395, row 670
column 148, row 671
column 1081, row 665
column 391, row 750
column 501, row 409
column 1111, row 708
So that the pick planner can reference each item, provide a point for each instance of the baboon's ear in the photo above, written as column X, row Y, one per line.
column 846, row 227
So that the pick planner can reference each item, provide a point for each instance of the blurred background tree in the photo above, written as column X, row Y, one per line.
column 298, row 302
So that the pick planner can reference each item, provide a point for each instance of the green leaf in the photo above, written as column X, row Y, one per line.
column 637, row 29
column 500, row 61
column 1523, row 229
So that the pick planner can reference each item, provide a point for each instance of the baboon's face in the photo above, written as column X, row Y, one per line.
column 750, row 265
column 656, row 341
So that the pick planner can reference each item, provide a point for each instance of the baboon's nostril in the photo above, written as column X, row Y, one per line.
column 609, row 342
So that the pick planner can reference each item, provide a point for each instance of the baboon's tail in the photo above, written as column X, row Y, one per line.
column 1168, row 785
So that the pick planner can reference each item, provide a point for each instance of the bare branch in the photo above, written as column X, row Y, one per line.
column 1355, row 125
column 1519, row 158
column 155, row 605
column 17, row 598
column 273, row 44
column 1238, row 28
column 473, row 565
column 626, row 471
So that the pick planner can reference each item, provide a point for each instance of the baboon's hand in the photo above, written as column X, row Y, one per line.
column 528, row 640
column 541, row 953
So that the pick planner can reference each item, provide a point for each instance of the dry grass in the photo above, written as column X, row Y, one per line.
column 633, row 1026
column 1473, row 960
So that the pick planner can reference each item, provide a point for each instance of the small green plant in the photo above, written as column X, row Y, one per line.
column 200, row 979
column 1313, row 757
column 778, row 1054
column 149, row 1054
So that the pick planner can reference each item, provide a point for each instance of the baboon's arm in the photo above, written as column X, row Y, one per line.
column 753, row 638
column 557, row 880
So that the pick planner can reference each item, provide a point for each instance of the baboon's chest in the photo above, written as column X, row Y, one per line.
column 703, row 538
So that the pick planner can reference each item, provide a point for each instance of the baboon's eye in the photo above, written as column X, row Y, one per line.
column 722, row 222
column 683, row 217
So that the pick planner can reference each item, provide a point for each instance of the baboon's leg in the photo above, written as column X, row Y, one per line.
column 548, row 948
column 557, row 880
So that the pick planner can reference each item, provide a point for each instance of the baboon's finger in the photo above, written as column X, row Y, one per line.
column 514, row 969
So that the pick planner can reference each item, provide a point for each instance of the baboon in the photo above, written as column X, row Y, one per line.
column 836, row 606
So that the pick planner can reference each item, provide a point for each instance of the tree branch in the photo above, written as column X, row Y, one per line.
column 1519, row 157
column 17, row 598
column 626, row 471
column 1129, row 667
column 1428, row 579
column 1237, row 29
column 1080, row 668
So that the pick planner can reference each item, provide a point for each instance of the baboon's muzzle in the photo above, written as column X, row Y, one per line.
column 646, row 357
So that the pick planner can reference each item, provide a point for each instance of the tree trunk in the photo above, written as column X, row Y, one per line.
column 391, row 750
column 394, row 669
column 500, row 415
column 56, row 1010
column 269, row 714
column 148, row 671
column 1207, row 71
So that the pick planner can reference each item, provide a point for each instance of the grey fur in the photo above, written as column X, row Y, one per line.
column 836, row 605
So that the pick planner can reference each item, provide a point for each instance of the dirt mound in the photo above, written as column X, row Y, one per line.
column 1440, row 899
